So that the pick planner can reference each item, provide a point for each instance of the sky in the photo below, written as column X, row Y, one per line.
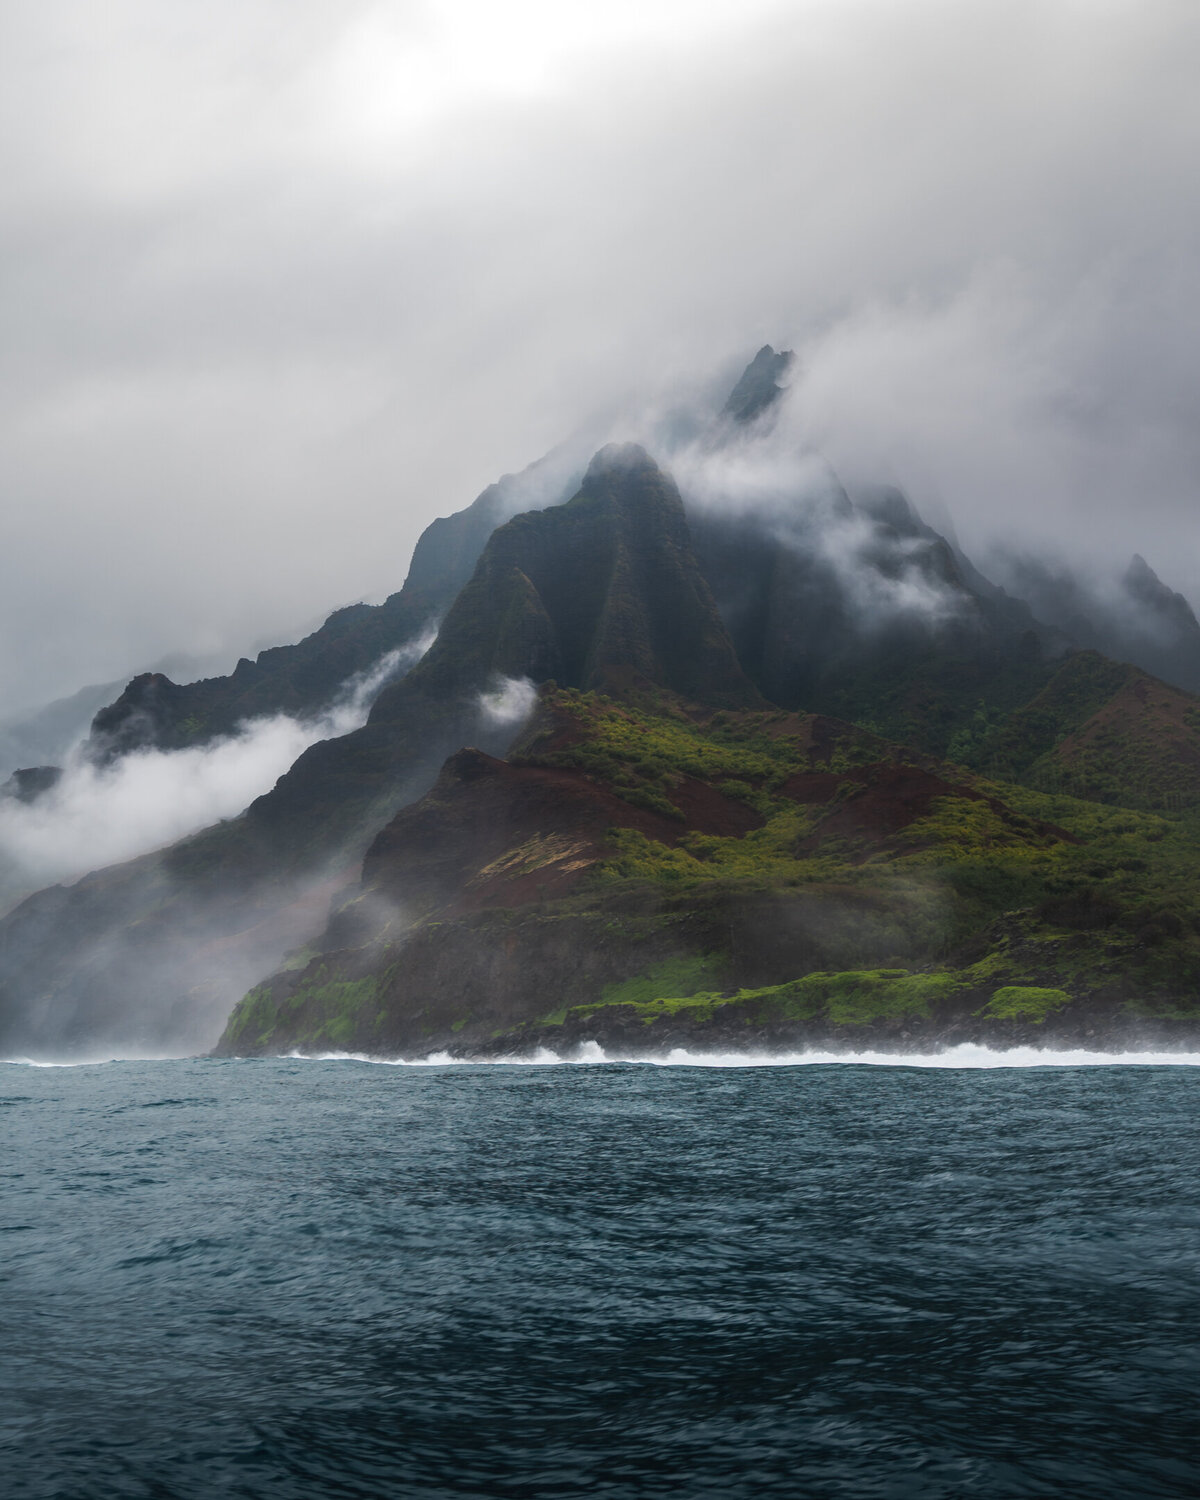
column 281, row 282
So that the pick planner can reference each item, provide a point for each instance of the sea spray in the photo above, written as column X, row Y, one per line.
column 965, row 1055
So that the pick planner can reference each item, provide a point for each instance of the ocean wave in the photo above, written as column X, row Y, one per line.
column 99, row 1061
column 965, row 1055
column 591, row 1054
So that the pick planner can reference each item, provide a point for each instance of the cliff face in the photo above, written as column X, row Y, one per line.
column 758, row 388
column 602, row 590
column 857, row 609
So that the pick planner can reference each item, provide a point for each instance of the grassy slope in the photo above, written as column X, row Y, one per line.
column 970, row 898
column 1102, row 730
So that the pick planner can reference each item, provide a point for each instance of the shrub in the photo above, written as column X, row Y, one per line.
column 1018, row 1002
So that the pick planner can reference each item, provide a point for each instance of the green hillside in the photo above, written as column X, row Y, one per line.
column 651, row 879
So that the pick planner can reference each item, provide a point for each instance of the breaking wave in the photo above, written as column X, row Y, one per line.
column 966, row 1055
column 591, row 1054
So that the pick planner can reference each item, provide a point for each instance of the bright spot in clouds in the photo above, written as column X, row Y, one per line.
column 399, row 66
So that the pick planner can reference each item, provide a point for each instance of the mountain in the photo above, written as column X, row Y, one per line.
column 1102, row 730
column 859, row 610
column 758, row 388
column 767, row 769
column 46, row 735
column 303, row 679
column 1134, row 618
column 603, row 591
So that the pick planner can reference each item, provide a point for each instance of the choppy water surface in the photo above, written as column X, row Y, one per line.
column 306, row 1279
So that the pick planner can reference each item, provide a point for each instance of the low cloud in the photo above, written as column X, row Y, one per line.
column 509, row 702
column 100, row 815
column 771, row 476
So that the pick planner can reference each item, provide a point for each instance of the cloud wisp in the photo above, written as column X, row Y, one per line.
column 507, row 703
column 100, row 815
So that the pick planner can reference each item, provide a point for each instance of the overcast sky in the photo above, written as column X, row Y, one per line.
column 284, row 279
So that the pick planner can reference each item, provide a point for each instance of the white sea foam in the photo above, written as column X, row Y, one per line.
column 92, row 1062
column 966, row 1055
column 591, row 1054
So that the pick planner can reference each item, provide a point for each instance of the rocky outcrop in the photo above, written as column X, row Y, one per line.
column 758, row 388
column 31, row 782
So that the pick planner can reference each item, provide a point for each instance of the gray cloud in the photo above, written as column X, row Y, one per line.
column 97, row 815
column 283, row 282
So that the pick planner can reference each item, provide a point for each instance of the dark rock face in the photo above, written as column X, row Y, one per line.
column 759, row 388
column 298, row 680
column 601, row 592
column 31, row 782
column 596, row 591
column 862, row 611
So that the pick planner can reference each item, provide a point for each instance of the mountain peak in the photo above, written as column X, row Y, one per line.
column 594, row 593
column 1172, row 610
column 758, row 387
column 621, row 458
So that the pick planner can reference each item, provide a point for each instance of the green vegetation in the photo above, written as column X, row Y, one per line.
column 857, row 997
column 676, row 976
column 627, row 747
column 988, row 848
column 1015, row 1002
column 934, row 895
column 1099, row 730
column 329, row 1012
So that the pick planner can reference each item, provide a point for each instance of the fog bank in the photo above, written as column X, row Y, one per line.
column 98, row 815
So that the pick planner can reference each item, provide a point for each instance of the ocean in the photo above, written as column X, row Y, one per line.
column 338, row 1278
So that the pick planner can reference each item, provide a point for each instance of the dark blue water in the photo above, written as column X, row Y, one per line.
column 310, row 1279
